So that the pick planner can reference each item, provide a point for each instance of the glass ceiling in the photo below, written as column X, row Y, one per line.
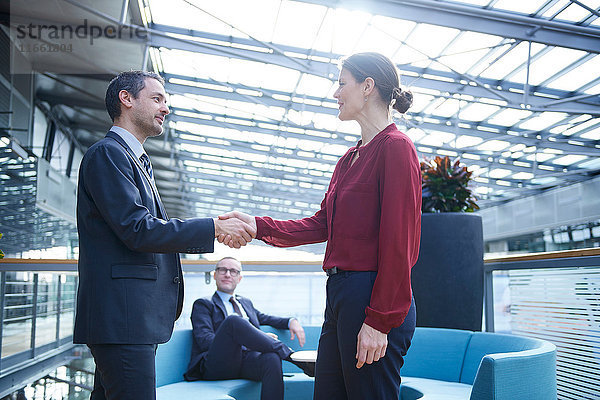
column 254, row 122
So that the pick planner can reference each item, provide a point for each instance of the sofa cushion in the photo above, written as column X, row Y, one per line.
column 173, row 357
column 232, row 389
column 430, row 389
column 436, row 354
column 483, row 343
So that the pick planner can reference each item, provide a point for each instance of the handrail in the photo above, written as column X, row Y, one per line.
column 70, row 265
column 546, row 255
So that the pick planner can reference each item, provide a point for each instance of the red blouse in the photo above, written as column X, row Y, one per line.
column 371, row 219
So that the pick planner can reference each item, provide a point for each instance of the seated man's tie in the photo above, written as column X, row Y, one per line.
column 236, row 308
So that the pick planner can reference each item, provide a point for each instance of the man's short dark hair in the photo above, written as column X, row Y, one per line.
column 131, row 81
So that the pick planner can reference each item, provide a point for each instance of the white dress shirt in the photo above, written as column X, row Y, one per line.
column 228, row 306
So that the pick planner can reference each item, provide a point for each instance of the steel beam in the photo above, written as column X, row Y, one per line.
column 324, row 65
column 478, row 19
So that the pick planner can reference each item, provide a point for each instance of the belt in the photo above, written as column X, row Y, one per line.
column 332, row 271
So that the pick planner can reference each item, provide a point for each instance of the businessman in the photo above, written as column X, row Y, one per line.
column 130, row 281
column 228, row 343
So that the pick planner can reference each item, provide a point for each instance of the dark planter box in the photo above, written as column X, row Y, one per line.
column 447, row 280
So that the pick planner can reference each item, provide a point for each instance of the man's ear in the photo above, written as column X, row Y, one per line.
column 126, row 99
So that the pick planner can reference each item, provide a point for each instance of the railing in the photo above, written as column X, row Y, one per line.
column 552, row 296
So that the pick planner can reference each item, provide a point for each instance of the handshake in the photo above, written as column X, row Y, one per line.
column 235, row 229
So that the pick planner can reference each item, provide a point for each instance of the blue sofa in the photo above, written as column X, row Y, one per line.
column 442, row 364
column 173, row 357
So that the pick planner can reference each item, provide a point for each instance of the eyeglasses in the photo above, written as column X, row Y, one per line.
column 232, row 271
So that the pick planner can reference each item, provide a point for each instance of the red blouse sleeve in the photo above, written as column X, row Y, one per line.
column 399, row 234
column 294, row 232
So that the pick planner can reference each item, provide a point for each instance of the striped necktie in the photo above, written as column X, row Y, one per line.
column 236, row 308
column 146, row 163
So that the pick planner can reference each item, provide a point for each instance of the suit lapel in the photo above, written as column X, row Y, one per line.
column 250, row 311
column 141, row 168
column 219, row 303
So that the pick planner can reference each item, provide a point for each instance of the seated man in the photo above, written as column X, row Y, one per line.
column 228, row 343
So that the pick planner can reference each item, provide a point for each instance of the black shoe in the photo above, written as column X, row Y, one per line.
column 307, row 367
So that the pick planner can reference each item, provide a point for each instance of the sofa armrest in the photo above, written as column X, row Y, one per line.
column 528, row 374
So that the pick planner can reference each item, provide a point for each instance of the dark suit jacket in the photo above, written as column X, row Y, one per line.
column 130, row 281
column 207, row 315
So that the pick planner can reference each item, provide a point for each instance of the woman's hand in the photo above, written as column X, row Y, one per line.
column 370, row 346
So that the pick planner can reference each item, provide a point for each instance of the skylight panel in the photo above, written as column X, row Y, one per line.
column 297, row 24
column 195, row 64
column 314, row 86
column 467, row 141
column 509, row 117
column 420, row 101
column 446, row 109
column 348, row 26
column 543, row 121
column 263, row 75
column 325, row 121
column 478, row 111
column 539, row 157
column 573, row 13
column 548, row 64
column 407, row 55
column 593, row 90
column 374, row 39
column 431, row 39
column 579, row 127
column 580, row 76
column 569, row 159
column 335, row 149
column 594, row 134
column 180, row 14
column 468, row 49
column 415, row 134
column 394, row 27
column 591, row 164
column 436, row 138
column 511, row 60
column 493, row 145
column 497, row 173
column 520, row 6
column 523, row 175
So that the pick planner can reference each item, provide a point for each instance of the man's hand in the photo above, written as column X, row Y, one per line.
column 238, row 232
column 370, row 346
column 271, row 334
column 248, row 219
column 297, row 330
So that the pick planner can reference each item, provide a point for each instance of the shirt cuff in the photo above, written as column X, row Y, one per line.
column 290, row 321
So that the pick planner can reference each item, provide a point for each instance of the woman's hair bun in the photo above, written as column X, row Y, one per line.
column 403, row 100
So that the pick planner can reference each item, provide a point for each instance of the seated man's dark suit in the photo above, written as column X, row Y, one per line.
column 230, row 347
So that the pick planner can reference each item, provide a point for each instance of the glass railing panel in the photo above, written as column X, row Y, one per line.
column 285, row 294
column 47, row 309
column 17, row 313
column 67, row 304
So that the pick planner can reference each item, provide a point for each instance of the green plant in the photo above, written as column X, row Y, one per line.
column 445, row 186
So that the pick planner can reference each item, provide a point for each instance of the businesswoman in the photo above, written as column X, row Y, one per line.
column 371, row 220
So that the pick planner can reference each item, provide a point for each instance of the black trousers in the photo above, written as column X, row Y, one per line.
column 336, row 375
column 240, row 350
column 124, row 371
